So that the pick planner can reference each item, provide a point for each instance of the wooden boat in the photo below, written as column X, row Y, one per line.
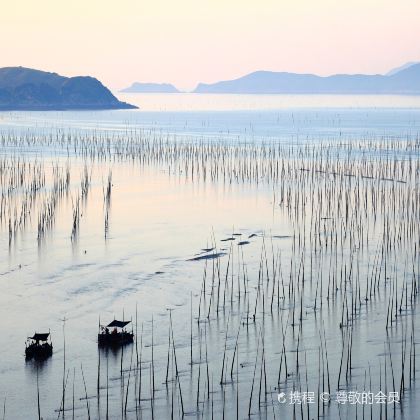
column 38, row 347
column 114, row 334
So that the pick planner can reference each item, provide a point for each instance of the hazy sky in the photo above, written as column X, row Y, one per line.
column 187, row 41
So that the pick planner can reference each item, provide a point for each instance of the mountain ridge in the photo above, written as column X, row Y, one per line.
column 404, row 81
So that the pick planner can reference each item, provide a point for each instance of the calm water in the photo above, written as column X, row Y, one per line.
column 159, row 218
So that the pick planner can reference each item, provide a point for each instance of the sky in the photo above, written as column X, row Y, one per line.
column 189, row 41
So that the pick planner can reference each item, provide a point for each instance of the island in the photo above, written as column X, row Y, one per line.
column 23, row 88
column 138, row 87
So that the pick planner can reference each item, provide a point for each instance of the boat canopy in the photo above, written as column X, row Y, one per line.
column 118, row 324
column 40, row 336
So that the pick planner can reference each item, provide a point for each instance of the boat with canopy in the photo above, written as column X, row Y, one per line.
column 114, row 334
column 39, row 346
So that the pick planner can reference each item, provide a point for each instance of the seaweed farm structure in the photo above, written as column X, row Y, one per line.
column 323, row 301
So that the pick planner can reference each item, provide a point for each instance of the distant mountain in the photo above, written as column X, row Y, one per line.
column 404, row 81
column 151, row 88
column 28, row 89
column 403, row 67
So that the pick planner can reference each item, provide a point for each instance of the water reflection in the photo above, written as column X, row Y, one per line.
column 37, row 366
column 115, row 353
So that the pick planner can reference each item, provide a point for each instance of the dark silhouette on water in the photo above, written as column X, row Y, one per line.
column 212, row 256
column 38, row 347
column 114, row 334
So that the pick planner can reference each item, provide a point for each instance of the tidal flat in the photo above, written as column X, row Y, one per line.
column 265, row 258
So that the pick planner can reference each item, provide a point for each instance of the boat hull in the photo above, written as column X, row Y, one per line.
column 115, row 339
column 38, row 352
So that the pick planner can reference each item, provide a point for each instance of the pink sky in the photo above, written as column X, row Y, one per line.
column 188, row 41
